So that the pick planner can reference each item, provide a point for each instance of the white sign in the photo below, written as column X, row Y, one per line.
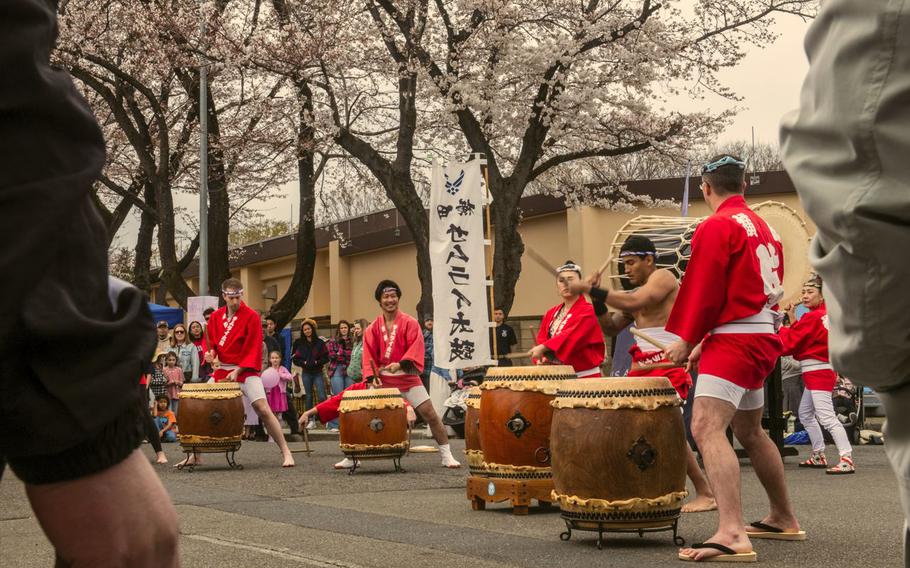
column 195, row 305
column 461, row 331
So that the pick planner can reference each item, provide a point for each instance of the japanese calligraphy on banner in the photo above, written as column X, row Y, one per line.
column 461, row 330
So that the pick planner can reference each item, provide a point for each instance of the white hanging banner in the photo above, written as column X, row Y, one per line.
column 461, row 330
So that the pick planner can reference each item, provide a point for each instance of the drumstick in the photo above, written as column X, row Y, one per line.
column 654, row 366
column 375, row 374
column 514, row 356
column 648, row 338
column 539, row 259
column 604, row 265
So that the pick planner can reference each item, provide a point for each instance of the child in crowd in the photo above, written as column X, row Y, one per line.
column 165, row 420
column 157, row 381
column 277, row 395
column 174, row 376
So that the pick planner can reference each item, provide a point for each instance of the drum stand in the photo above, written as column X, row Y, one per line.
column 601, row 527
column 395, row 460
column 482, row 490
column 196, row 450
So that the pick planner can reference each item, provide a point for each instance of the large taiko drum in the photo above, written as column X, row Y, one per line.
column 515, row 415
column 619, row 454
column 373, row 424
column 472, row 447
column 672, row 237
column 211, row 417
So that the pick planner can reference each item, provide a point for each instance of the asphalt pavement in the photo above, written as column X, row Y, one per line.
column 312, row 515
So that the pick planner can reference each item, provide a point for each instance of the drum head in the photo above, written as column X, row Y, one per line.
column 672, row 237
column 794, row 237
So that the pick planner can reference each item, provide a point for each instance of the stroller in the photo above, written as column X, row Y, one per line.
column 456, row 405
column 848, row 406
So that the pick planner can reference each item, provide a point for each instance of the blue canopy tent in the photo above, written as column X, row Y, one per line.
column 172, row 316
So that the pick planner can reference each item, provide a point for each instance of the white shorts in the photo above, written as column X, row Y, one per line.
column 741, row 398
column 415, row 395
column 252, row 389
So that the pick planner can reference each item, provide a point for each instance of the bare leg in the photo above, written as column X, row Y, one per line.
column 769, row 467
column 428, row 413
column 704, row 496
column 274, row 430
column 121, row 516
column 710, row 418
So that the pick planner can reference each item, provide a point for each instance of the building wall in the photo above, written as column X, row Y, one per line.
column 343, row 286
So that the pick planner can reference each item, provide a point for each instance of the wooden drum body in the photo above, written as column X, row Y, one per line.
column 619, row 453
column 211, row 417
column 515, row 416
column 472, row 448
column 373, row 424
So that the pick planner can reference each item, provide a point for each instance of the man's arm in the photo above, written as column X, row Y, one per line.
column 611, row 323
column 655, row 290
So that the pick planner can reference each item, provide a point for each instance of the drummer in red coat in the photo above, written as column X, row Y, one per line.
column 724, row 315
column 648, row 306
column 234, row 337
column 393, row 346
column 807, row 341
column 569, row 333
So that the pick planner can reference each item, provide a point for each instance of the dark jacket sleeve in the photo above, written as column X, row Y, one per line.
column 68, row 339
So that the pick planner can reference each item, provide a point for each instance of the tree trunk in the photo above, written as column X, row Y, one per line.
column 219, row 204
column 171, row 275
column 142, row 266
column 508, row 244
column 296, row 296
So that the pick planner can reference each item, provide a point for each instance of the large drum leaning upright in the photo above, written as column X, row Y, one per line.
column 211, row 417
column 619, row 454
column 472, row 447
column 373, row 424
column 515, row 415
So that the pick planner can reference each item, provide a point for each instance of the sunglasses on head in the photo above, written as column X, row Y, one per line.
column 232, row 293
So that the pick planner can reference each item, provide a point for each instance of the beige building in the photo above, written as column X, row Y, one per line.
column 355, row 254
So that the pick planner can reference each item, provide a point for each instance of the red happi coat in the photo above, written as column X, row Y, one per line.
column 734, row 273
column 578, row 341
column 807, row 341
column 723, row 281
column 404, row 343
column 242, row 345
column 328, row 410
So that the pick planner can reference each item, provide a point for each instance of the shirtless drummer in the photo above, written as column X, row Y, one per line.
column 648, row 306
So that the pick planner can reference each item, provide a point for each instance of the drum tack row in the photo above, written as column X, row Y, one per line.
column 609, row 452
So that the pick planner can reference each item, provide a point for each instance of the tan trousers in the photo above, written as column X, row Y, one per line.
column 847, row 149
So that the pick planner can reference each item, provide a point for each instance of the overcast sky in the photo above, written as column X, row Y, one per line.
column 768, row 80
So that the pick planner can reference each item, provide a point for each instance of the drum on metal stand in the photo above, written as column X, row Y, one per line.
column 374, row 425
column 472, row 447
column 672, row 237
column 211, row 420
column 619, row 456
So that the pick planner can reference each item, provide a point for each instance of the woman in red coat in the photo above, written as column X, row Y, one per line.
column 807, row 341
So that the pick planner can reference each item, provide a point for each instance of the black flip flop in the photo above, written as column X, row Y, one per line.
column 727, row 554
column 769, row 532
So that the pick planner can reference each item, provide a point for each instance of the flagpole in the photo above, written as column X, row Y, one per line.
column 685, row 199
column 489, row 256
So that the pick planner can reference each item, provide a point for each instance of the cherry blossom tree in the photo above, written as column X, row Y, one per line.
column 140, row 60
column 541, row 88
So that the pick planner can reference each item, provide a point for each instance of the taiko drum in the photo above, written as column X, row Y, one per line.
column 472, row 447
column 619, row 453
column 211, row 417
column 515, row 416
column 373, row 424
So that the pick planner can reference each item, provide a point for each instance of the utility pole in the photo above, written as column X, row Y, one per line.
column 203, row 170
